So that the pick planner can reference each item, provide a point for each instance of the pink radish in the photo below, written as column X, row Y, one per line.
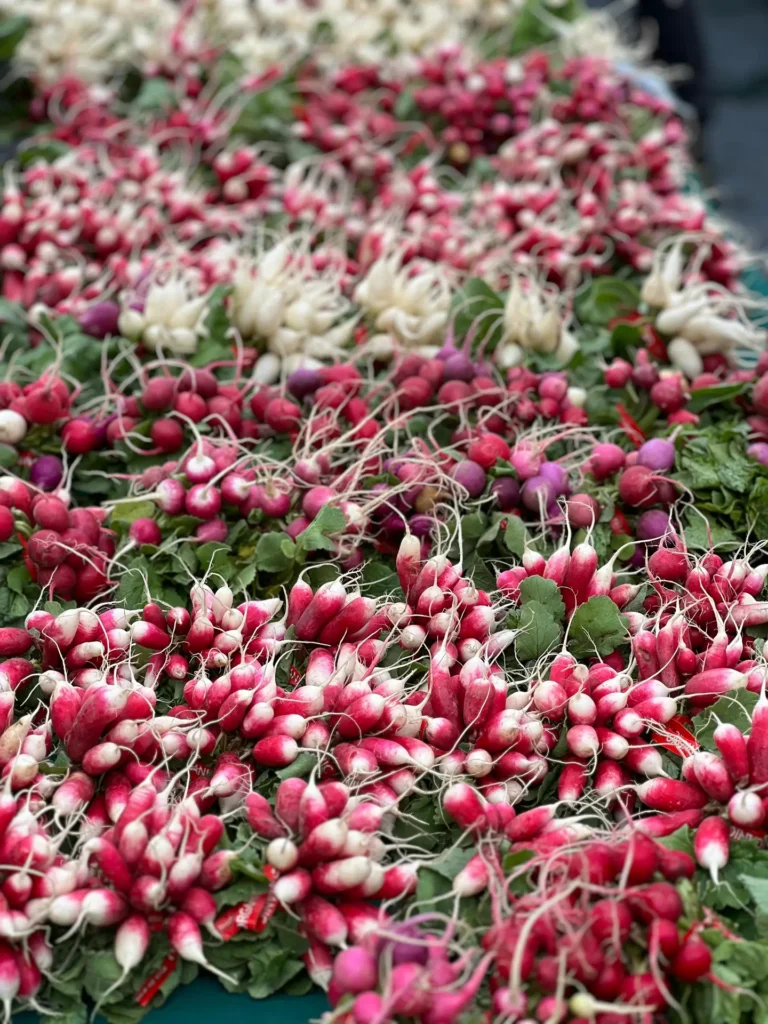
column 465, row 805
column 293, row 887
column 671, row 795
column 583, row 741
column 355, row 970
column 757, row 744
column 711, row 774
column 323, row 921
column 73, row 794
column 276, row 751
column 323, row 607
column 110, row 863
column 692, row 962
column 745, row 809
column 733, row 750
column 185, row 938
column 216, row 871
column 710, row 845
column 446, row 1007
column 339, row 875
column 131, row 944
column 473, row 878
column 10, row 978
column 530, row 823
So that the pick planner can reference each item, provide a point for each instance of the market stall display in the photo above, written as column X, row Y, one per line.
column 384, row 445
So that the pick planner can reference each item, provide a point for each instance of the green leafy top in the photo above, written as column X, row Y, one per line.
column 597, row 628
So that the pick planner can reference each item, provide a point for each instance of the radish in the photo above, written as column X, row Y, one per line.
column 711, row 774
column 14, row 641
column 293, row 887
column 705, row 687
column 184, row 936
column 323, row 921
column 710, row 845
column 131, row 945
column 756, row 743
column 339, row 875
column 473, row 877
column 323, row 607
column 10, row 978
column 671, row 795
column 355, row 970
column 637, row 487
column 745, row 810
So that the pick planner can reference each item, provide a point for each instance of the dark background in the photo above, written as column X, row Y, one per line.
column 735, row 37
column 726, row 42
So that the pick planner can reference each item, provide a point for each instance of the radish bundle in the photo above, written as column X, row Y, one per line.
column 384, row 447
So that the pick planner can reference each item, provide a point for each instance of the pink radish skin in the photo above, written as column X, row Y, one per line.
column 551, row 700
column 65, row 705
column 355, row 970
column 660, row 825
column 293, row 886
column 530, row 823
column 147, row 894
column 712, row 775
column 73, row 794
column 276, row 751
column 336, row 796
column 644, row 759
column 745, row 810
column 101, row 707
column 216, row 871
column 288, row 800
column 705, row 687
column 258, row 812
column 465, row 805
column 573, row 780
column 10, row 978
column 583, row 741
column 659, row 899
column 318, row 960
column 201, row 906
column 581, row 569
column 185, row 938
column 692, row 962
column 313, row 810
column 671, row 795
column 323, row 921
column 473, row 877
column 710, row 845
column 612, row 745
column 447, row 1006
column 299, row 598
column 323, row 607
column 340, row 875
column 110, row 863
column 325, row 842
column 757, row 744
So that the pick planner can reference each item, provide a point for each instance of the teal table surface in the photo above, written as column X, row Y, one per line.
column 206, row 1002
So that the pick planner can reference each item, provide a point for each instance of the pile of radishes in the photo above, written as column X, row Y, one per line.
column 365, row 428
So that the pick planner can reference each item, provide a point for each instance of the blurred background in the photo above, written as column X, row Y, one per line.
column 724, row 42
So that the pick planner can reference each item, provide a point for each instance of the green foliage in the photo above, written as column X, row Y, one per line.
column 275, row 552
column 604, row 299
column 478, row 309
column 318, row 535
column 597, row 628
column 12, row 31
column 729, row 489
